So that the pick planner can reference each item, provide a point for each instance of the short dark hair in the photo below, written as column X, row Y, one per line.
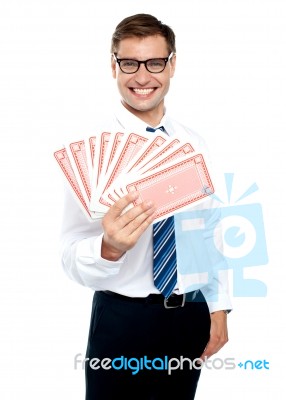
column 142, row 25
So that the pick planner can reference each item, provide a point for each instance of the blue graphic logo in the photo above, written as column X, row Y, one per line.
column 241, row 241
column 254, row 364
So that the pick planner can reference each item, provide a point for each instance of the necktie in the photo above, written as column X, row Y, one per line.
column 164, row 251
column 164, row 256
column 150, row 129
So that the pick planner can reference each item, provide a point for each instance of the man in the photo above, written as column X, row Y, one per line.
column 133, row 323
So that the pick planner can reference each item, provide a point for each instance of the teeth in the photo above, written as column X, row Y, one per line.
column 143, row 91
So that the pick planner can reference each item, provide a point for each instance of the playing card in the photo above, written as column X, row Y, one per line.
column 115, row 141
column 90, row 144
column 167, row 148
column 151, row 146
column 130, row 148
column 148, row 149
column 92, row 141
column 141, row 163
column 169, row 158
column 106, row 166
column 111, row 143
column 78, row 158
column 102, row 142
column 64, row 162
column 174, row 188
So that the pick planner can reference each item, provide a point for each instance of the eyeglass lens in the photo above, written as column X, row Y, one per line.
column 153, row 65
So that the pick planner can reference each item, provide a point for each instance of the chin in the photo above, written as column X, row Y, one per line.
column 143, row 105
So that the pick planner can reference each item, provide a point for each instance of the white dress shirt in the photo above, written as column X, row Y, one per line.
column 200, row 264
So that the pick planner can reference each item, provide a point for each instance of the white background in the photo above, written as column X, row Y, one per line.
column 55, row 79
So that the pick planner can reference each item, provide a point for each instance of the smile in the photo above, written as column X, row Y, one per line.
column 143, row 91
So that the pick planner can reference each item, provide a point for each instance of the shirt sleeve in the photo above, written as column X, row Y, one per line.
column 216, row 292
column 80, row 246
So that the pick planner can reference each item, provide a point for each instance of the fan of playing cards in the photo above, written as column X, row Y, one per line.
column 105, row 167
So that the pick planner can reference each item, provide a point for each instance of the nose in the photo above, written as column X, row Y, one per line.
column 142, row 76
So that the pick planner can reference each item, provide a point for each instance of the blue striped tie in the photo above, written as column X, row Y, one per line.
column 164, row 251
column 164, row 256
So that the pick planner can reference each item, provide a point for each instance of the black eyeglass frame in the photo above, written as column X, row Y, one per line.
column 119, row 60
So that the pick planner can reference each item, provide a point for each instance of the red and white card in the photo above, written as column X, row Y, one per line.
column 64, row 162
column 106, row 166
column 126, row 152
column 175, row 186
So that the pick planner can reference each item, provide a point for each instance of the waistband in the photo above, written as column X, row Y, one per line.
column 173, row 301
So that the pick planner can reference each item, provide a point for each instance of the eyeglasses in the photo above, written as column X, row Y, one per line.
column 153, row 65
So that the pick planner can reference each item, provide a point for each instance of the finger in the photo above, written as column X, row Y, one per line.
column 140, row 223
column 135, row 216
column 122, row 234
column 116, row 210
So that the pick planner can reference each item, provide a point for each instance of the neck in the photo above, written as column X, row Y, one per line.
column 150, row 117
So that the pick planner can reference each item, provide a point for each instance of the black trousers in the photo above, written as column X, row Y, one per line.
column 130, row 346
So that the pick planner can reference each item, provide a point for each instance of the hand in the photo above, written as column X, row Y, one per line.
column 218, row 334
column 122, row 230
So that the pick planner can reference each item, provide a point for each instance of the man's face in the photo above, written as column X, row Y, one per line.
column 143, row 92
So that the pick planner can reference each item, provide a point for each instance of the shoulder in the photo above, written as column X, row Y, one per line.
column 179, row 129
column 106, row 122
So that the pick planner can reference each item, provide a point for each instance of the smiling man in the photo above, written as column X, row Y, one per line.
column 144, row 90
column 145, row 332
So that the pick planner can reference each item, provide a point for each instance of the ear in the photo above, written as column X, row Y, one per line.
column 173, row 65
column 113, row 66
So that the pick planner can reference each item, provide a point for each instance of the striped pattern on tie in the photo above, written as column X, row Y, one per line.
column 164, row 256
column 150, row 129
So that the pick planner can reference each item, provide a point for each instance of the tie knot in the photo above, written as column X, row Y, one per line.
column 150, row 129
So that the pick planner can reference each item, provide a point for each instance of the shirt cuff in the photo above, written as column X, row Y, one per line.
column 89, row 259
column 223, row 303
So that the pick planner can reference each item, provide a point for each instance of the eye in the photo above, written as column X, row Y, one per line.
column 156, row 63
column 129, row 63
